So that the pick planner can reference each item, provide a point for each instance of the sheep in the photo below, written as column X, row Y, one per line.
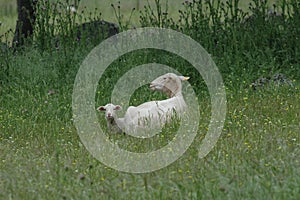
column 156, row 113
column 114, row 123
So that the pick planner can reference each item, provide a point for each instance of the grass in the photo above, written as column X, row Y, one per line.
column 256, row 157
column 8, row 10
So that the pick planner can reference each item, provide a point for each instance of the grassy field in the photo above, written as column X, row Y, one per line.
column 256, row 157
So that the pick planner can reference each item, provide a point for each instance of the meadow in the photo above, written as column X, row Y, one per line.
column 256, row 156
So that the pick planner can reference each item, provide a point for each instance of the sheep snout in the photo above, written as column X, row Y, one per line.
column 155, row 86
column 109, row 115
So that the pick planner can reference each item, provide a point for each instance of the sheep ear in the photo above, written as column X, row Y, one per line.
column 184, row 78
column 101, row 108
column 117, row 107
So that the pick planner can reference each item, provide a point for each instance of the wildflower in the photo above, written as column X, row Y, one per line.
column 51, row 91
column 279, row 148
column 72, row 9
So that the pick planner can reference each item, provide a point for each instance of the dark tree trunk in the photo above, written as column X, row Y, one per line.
column 25, row 22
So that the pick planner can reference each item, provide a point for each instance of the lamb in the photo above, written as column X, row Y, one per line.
column 114, row 123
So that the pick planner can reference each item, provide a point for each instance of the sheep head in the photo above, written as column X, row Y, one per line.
column 169, row 83
column 109, row 110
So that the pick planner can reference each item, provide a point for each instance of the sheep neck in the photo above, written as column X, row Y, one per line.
column 175, row 92
column 111, row 121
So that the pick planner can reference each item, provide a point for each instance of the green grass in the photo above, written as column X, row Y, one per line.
column 256, row 157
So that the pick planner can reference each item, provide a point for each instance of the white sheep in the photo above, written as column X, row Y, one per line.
column 154, row 114
column 114, row 123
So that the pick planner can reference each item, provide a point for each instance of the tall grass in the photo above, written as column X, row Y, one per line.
column 257, row 156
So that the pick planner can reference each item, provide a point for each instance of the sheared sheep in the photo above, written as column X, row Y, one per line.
column 155, row 114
